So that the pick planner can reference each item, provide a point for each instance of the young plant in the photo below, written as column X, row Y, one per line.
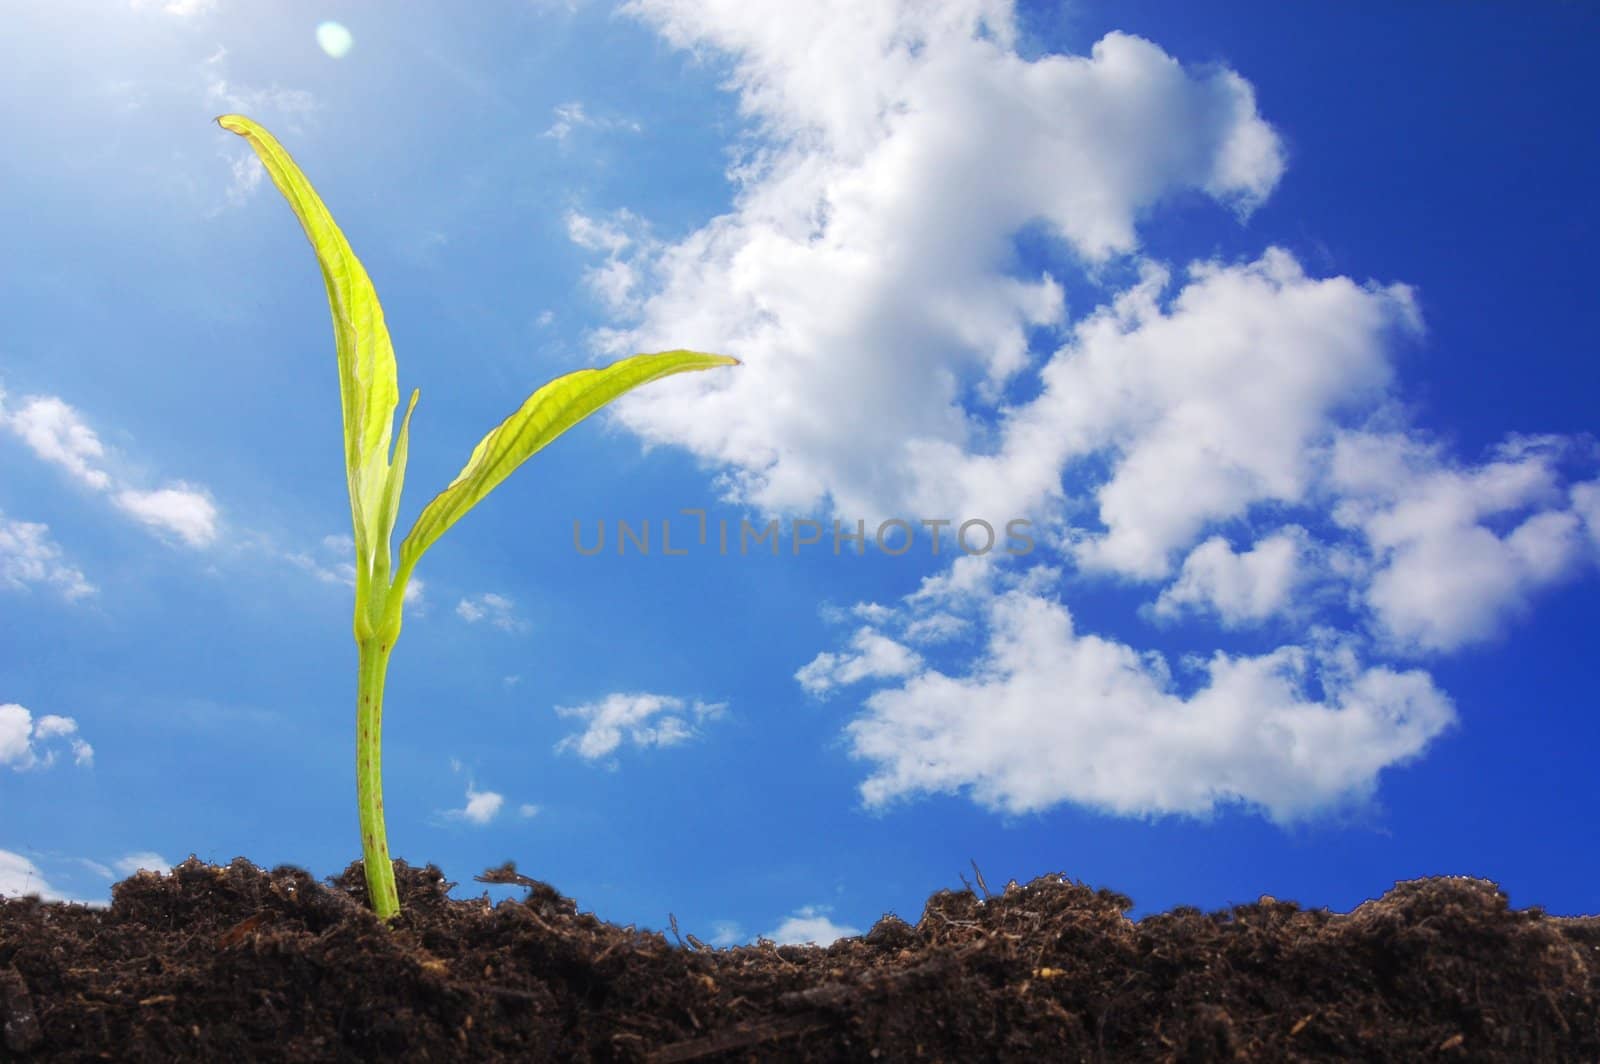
column 369, row 394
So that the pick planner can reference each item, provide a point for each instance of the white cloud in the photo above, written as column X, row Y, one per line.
column 22, row 739
column 874, row 656
column 29, row 556
column 527, row 809
column 178, row 8
column 862, row 275
column 598, row 236
column 496, row 609
column 481, row 807
column 181, row 509
column 567, row 116
column 613, row 281
column 59, row 435
column 1202, row 411
column 247, row 171
column 1241, row 588
column 809, row 924
column 20, row 876
column 335, row 565
column 726, row 933
column 935, row 628
column 1048, row 715
column 143, row 861
column 571, row 115
column 1586, row 504
column 253, row 100
column 859, row 273
column 641, row 719
column 1444, row 578
column 871, row 612
column 55, row 432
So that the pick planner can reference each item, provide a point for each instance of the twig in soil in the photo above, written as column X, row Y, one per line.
column 836, row 995
column 235, row 934
column 981, row 884
column 742, row 1036
column 498, row 991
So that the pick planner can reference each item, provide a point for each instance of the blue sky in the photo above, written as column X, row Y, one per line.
column 1276, row 323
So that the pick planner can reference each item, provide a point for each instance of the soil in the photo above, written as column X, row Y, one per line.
column 216, row 963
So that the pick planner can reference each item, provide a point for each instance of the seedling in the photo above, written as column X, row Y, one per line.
column 369, row 393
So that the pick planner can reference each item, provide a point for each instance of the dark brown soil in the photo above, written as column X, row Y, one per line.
column 211, row 963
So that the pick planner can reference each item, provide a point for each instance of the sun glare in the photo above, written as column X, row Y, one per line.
column 334, row 38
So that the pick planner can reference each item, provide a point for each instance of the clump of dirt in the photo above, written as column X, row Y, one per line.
column 213, row 963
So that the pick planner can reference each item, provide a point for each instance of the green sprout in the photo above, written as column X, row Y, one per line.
column 369, row 393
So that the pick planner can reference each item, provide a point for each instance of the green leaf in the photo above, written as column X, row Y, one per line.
column 368, row 389
column 390, row 508
column 546, row 414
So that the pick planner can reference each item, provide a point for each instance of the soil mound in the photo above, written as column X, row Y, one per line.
column 215, row 963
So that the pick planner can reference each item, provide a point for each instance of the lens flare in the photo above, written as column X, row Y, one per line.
column 334, row 39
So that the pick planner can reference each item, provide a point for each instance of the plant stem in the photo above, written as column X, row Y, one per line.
column 374, row 662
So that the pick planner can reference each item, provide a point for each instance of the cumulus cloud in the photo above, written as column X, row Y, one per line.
column 58, row 435
column 28, row 556
column 182, row 510
column 1197, row 435
column 143, row 861
column 640, row 719
column 615, row 280
column 20, row 877
column 481, row 807
column 1200, row 410
column 872, row 655
column 1240, row 588
column 1049, row 715
column 1586, row 504
column 809, row 924
column 27, row 744
column 861, row 274
column 1444, row 577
